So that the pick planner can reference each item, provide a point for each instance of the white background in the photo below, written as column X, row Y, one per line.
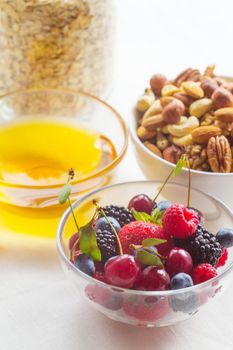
column 38, row 310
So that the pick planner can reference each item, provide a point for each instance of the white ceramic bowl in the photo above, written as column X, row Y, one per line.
column 156, row 168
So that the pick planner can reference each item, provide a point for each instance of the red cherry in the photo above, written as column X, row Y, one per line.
column 179, row 260
column 122, row 271
column 99, row 276
column 141, row 202
column 153, row 278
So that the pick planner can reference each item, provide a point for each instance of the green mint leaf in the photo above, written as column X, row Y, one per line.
column 147, row 257
column 149, row 242
column 141, row 216
column 157, row 216
column 179, row 166
column 88, row 243
column 64, row 193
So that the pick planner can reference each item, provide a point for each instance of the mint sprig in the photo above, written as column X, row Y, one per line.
column 155, row 218
column 86, row 234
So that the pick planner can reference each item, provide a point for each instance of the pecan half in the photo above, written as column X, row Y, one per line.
column 188, row 74
column 219, row 154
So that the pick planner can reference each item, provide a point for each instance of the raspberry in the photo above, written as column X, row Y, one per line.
column 179, row 221
column 223, row 258
column 137, row 231
column 121, row 214
column 148, row 308
column 203, row 272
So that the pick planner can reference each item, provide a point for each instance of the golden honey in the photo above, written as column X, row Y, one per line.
column 40, row 152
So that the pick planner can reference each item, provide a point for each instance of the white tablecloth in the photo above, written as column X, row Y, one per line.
column 38, row 309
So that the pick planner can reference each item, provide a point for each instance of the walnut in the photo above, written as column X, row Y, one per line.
column 198, row 159
column 219, row 154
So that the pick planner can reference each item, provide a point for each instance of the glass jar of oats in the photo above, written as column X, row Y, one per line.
column 55, row 43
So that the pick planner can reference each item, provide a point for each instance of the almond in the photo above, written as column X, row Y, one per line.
column 145, row 134
column 222, row 98
column 225, row 114
column 154, row 149
column 192, row 89
column 154, row 122
column 173, row 111
column 202, row 134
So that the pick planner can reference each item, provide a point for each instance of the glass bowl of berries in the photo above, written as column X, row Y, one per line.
column 146, row 254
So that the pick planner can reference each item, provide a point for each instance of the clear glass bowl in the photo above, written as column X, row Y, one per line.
column 68, row 106
column 145, row 309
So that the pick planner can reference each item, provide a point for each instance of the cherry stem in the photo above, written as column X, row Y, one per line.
column 189, row 183
column 72, row 211
column 110, row 224
column 164, row 184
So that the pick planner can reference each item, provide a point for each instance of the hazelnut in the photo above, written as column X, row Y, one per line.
column 172, row 154
column 157, row 82
column 173, row 111
column 209, row 86
column 222, row 98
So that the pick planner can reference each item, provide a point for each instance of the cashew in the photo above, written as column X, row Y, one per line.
column 169, row 90
column 165, row 129
column 145, row 101
column 161, row 141
column 154, row 109
column 183, row 141
column 184, row 128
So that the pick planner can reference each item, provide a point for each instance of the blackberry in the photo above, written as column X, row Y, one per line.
column 121, row 214
column 202, row 246
column 107, row 243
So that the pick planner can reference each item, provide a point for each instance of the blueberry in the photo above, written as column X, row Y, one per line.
column 102, row 224
column 85, row 264
column 164, row 205
column 181, row 280
column 187, row 303
column 225, row 237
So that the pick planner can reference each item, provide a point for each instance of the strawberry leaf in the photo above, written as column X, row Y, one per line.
column 149, row 242
column 147, row 257
column 88, row 242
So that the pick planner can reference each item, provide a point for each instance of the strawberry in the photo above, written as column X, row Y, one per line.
column 135, row 232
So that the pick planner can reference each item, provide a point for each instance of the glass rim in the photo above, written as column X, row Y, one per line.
column 98, row 100
column 165, row 293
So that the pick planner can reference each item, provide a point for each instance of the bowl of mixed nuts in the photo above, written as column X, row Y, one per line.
column 190, row 115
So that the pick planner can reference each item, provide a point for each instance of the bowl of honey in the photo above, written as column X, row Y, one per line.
column 44, row 133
